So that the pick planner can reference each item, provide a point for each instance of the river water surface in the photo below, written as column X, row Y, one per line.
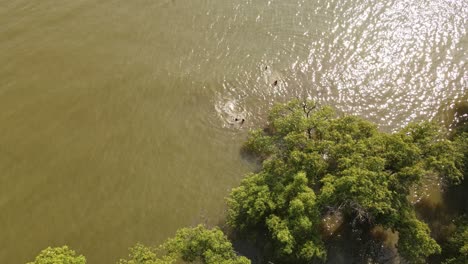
column 117, row 118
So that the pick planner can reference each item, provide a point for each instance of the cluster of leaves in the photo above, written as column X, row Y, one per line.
column 461, row 140
column 191, row 245
column 455, row 249
column 58, row 255
column 314, row 162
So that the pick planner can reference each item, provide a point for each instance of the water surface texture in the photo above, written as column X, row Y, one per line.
column 117, row 118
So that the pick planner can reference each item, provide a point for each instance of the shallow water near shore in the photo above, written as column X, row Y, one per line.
column 117, row 118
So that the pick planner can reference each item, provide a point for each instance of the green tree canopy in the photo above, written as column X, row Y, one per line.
column 461, row 141
column 314, row 162
column 455, row 249
column 191, row 245
column 58, row 255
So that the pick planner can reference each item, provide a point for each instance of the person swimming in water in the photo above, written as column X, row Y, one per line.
column 239, row 120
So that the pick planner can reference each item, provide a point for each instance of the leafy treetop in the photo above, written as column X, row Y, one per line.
column 58, row 255
column 191, row 245
column 315, row 162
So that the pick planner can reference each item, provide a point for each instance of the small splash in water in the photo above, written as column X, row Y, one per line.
column 231, row 113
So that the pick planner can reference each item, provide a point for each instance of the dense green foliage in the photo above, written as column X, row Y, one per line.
column 191, row 245
column 461, row 141
column 456, row 247
column 58, row 255
column 315, row 162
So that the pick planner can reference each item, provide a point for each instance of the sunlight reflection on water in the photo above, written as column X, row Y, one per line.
column 392, row 62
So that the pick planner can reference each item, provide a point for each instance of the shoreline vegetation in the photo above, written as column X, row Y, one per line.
column 318, row 166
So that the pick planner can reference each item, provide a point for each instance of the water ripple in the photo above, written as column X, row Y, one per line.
column 391, row 62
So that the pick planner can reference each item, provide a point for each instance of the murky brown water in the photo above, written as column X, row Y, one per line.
column 117, row 118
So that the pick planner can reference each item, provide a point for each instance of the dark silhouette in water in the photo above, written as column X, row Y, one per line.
column 275, row 83
column 239, row 120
